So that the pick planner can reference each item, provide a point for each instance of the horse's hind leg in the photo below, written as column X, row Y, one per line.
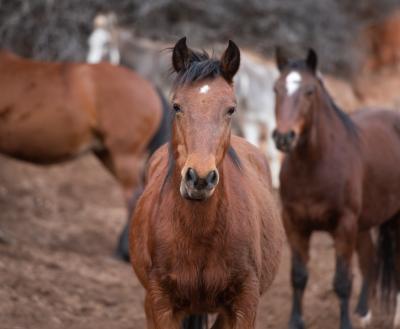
column 128, row 169
column 299, row 244
column 368, row 265
column 129, row 172
column 122, row 250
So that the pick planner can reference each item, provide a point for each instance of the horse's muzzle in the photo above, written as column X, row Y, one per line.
column 284, row 141
column 198, row 188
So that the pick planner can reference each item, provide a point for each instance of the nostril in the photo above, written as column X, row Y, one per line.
column 274, row 134
column 291, row 134
column 212, row 178
column 191, row 176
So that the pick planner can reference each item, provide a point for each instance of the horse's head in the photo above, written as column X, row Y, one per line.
column 204, row 102
column 295, row 92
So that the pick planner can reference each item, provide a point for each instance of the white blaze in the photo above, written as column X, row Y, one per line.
column 293, row 80
column 204, row 89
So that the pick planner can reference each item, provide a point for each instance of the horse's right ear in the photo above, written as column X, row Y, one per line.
column 281, row 59
column 312, row 60
column 181, row 55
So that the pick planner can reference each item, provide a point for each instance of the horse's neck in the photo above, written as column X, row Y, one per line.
column 325, row 132
column 198, row 218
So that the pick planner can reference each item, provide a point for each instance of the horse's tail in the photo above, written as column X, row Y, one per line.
column 195, row 321
column 163, row 132
column 386, row 259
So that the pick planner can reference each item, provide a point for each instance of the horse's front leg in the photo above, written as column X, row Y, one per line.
column 160, row 314
column 345, row 237
column 242, row 313
column 299, row 241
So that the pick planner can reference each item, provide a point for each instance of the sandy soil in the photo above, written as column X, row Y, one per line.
column 58, row 228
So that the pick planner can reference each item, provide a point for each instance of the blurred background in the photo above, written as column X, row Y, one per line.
column 338, row 29
column 59, row 224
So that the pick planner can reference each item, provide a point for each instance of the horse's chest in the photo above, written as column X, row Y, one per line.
column 200, row 285
column 317, row 209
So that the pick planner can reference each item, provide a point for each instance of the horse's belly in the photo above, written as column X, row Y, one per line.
column 380, row 202
column 45, row 135
column 381, row 151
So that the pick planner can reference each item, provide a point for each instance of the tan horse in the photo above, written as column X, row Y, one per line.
column 52, row 112
column 206, row 235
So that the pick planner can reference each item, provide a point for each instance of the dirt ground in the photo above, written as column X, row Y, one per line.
column 58, row 228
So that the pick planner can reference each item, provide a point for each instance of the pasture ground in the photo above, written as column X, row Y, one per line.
column 58, row 228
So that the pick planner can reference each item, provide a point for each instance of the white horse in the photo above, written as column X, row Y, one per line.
column 103, row 41
column 253, row 83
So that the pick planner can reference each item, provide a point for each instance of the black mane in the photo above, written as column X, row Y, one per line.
column 348, row 123
column 201, row 66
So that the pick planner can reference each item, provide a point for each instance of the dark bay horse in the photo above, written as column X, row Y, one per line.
column 206, row 234
column 341, row 174
column 52, row 112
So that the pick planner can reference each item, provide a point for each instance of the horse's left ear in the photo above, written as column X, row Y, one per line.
column 312, row 60
column 230, row 61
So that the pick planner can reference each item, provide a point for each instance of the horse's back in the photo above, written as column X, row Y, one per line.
column 379, row 132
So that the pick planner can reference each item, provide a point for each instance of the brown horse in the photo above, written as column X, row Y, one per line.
column 206, row 235
column 341, row 174
column 52, row 112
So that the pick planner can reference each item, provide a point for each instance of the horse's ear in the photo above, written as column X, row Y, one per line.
column 230, row 61
column 312, row 60
column 281, row 59
column 181, row 55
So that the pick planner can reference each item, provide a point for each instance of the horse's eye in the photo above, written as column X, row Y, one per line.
column 177, row 108
column 231, row 110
